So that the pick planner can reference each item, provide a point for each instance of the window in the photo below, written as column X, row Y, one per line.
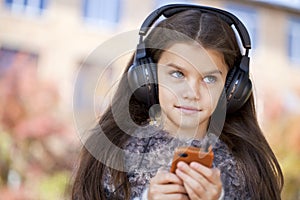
column 6, row 59
column 31, row 7
column 295, row 4
column 248, row 16
column 294, row 40
column 102, row 12
column 17, row 59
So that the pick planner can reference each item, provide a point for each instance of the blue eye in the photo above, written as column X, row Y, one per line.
column 210, row 79
column 177, row 74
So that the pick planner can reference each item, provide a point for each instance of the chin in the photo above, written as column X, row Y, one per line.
column 189, row 124
column 192, row 122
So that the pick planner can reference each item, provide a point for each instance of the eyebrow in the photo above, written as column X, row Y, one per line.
column 216, row 71
column 175, row 66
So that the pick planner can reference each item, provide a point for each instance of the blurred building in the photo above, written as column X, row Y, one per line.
column 60, row 34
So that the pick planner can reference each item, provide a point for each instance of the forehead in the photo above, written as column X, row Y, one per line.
column 193, row 54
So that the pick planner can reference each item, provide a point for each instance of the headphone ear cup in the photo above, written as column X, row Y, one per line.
column 238, row 89
column 229, row 78
column 142, row 79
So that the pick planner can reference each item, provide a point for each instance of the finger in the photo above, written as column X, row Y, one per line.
column 163, row 177
column 174, row 196
column 199, row 185
column 162, row 169
column 195, row 187
column 184, row 167
column 167, row 189
column 191, row 194
column 211, row 174
column 196, row 190
column 194, row 194
column 177, row 196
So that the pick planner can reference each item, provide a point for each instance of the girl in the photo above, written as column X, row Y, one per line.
column 194, row 54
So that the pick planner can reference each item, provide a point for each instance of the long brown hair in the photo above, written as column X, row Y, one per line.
column 241, row 131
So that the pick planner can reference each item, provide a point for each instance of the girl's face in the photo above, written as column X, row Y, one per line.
column 191, row 80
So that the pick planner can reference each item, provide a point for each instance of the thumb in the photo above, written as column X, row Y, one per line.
column 162, row 169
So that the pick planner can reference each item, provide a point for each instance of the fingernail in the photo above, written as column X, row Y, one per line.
column 194, row 164
column 181, row 165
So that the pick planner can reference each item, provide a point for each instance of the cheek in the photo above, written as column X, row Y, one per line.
column 166, row 95
column 210, row 97
column 217, row 95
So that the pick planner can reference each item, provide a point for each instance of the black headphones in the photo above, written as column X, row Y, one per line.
column 142, row 74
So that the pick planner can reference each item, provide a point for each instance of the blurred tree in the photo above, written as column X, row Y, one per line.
column 34, row 138
column 282, row 128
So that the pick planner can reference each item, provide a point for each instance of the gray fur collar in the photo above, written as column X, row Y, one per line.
column 151, row 148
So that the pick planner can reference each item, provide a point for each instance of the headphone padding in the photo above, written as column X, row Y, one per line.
column 229, row 78
column 238, row 90
column 142, row 80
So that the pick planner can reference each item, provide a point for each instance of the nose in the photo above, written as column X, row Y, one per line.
column 192, row 90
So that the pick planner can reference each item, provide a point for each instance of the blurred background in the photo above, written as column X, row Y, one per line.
column 43, row 45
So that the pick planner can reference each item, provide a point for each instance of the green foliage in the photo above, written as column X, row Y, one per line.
column 54, row 186
column 5, row 146
column 34, row 141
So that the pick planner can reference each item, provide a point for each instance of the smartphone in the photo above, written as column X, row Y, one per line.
column 192, row 154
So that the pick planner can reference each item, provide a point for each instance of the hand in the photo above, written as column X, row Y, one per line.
column 166, row 185
column 199, row 181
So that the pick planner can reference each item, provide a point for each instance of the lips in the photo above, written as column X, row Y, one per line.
column 188, row 109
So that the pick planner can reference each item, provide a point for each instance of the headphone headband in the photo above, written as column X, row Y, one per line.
column 170, row 10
